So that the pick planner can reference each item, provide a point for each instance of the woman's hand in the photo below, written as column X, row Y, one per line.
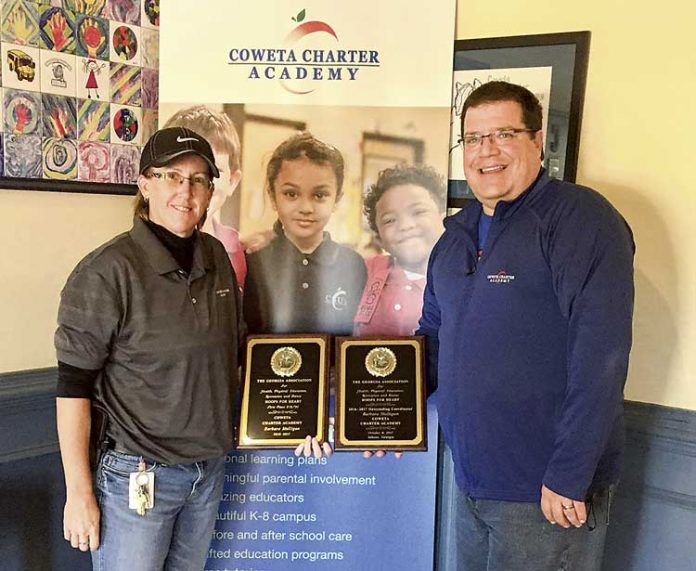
column 81, row 519
column 312, row 446
column 81, row 516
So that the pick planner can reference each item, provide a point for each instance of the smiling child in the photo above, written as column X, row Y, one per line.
column 404, row 208
column 303, row 281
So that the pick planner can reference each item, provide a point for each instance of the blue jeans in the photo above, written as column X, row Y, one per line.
column 175, row 534
column 510, row 536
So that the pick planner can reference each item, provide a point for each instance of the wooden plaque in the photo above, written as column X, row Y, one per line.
column 285, row 391
column 380, row 394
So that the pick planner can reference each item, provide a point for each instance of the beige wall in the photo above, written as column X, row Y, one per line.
column 43, row 236
column 637, row 147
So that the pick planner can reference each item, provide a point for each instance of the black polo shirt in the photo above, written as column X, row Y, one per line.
column 166, row 343
column 287, row 291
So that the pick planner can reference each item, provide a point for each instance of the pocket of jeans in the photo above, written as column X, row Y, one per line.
column 123, row 464
column 611, row 490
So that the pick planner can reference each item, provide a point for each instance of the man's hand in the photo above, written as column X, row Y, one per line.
column 561, row 510
column 81, row 522
column 311, row 446
column 380, row 454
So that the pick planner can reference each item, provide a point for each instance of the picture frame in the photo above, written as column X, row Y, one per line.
column 553, row 66
column 79, row 94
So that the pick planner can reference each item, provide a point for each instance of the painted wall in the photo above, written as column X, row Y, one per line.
column 637, row 148
column 43, row 236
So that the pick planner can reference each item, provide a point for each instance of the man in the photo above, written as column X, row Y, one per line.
column 527, row 316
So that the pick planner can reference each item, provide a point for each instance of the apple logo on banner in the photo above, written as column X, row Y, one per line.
column 298, row 37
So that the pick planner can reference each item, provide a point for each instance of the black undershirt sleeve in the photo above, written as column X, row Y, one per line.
column 74, row 382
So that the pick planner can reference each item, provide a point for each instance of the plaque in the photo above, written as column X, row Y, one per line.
column 285, row 391
column 380, row 394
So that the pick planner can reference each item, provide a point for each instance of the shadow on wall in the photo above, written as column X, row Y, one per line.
column 657, row 303
column 31, row 520
column 652, row 360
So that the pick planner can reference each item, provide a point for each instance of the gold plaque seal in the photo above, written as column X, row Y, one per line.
column 380, row 362
column 286, row 361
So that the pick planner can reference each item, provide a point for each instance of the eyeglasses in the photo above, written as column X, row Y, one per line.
column 500, row 137
column 173, row 179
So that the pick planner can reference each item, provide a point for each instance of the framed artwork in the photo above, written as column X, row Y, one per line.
column 552, row 66
column 79, row 85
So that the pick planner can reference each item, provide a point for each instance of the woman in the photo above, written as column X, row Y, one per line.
column 149, row 328
column 219, row 130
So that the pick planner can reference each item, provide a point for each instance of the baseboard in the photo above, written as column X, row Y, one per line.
column 655, row 509
column 27, row 414
column 660, row 454
column 669, row 429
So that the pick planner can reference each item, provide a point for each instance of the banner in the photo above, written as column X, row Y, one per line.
column 330, row 122
column 345, row 513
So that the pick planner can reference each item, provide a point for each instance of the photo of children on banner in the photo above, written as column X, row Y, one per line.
column 220, row 131
column 404, row 208
column 303, row 281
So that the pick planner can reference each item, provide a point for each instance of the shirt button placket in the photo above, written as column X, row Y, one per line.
column 305, row 272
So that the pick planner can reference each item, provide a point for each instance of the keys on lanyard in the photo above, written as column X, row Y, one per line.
column 141, row 488
column 143, row 497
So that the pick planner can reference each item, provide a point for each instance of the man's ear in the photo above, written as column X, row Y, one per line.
column 539, row 141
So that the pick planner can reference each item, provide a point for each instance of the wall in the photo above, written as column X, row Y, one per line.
column 638, row 152
column 43, row 236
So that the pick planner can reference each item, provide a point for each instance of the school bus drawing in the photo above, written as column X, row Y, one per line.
column 22, row 64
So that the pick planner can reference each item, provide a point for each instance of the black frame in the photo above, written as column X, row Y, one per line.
column 568, row 52
column 43, row 184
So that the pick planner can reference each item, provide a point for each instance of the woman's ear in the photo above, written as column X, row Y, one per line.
column 143, row 184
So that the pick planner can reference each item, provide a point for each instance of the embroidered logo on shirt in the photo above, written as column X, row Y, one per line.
column 337, row 300
column 502, row 277
column 222, row 292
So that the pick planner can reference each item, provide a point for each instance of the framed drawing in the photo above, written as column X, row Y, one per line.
column 553, row 66
column 79, row 91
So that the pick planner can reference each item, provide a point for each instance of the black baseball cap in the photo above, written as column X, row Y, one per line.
column 168, row 144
